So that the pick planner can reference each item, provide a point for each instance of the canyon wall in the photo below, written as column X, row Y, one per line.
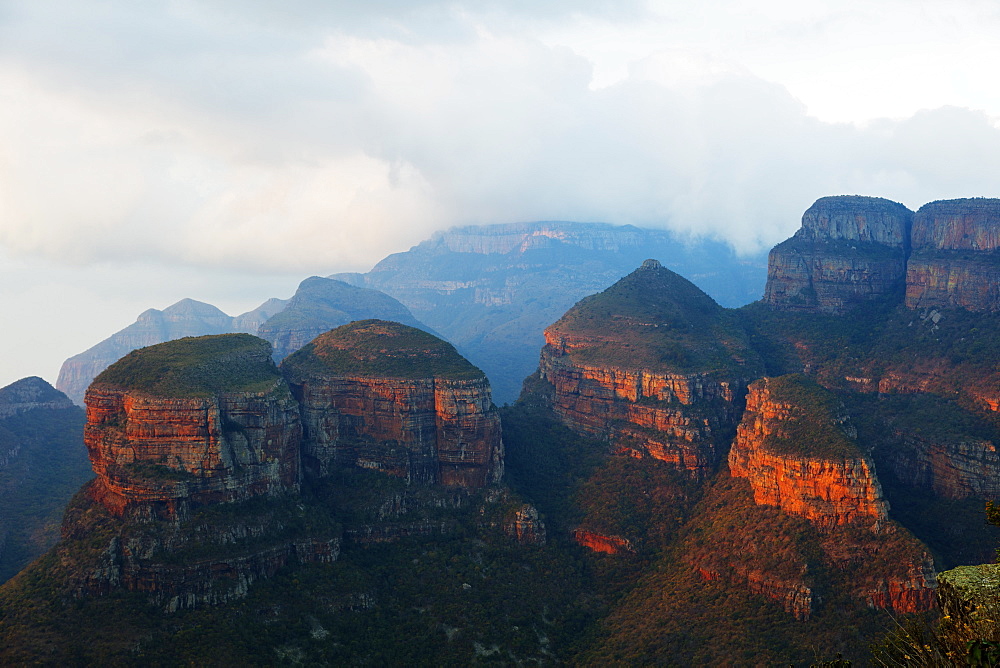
column 414, row 408
column 849, row 249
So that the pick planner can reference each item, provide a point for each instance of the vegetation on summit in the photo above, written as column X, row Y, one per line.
column 380, row 348
column 198, row 366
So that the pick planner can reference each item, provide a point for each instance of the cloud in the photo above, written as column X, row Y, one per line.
column 322, row 136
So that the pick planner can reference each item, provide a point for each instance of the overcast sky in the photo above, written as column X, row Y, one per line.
column 224, row 150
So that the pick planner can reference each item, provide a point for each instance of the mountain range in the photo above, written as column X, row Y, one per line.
column 678, row 482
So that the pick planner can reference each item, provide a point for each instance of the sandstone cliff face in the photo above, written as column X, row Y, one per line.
column 159, row 456
column 951, row 469
column 830, row 488
column 955, row 261
column 600, row 543
column 219, row 427
column 675, row 418
column 849, row 249
column 654, row 366
column 430, row 424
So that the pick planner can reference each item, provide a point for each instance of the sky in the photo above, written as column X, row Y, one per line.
column 223, row 150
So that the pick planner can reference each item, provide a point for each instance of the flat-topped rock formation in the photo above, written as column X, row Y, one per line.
column 849, row 249
column 385, row 396
column 194, row 421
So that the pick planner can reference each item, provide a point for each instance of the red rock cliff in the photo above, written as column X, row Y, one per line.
column 849, row 249
column 653, row 365
column 158, row 455
column 830, row 485
column 414, row 408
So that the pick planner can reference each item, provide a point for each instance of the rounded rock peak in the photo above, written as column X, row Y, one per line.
column 196, row 366
column 651, row 264
column 379, row 348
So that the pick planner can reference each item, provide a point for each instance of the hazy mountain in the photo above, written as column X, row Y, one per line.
column 492, row 289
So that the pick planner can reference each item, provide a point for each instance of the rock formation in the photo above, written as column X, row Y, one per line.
column 185, row 318
column 799, row 455
column 653, row 365
column 849, row 249
column 191, row 422
column 956, row 255
column 384, row 396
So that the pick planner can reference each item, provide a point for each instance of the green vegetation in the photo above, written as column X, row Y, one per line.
column 35, row 485
column 201, row 366
column 379, row 348
column 654, row 319
column 814, row 428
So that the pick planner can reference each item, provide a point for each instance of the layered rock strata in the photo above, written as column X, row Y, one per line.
column 956, row 256
column 799, row 456
column 850, row 249
column 653, row 365
column 384, row 396
column 234, row 436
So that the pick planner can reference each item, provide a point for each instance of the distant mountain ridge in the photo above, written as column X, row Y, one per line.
column 492, row 289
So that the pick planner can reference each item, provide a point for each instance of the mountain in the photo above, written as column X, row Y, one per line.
column 185, row 318
column 492, row 289
column 679, row 483
column 320, row 304
column 42, row 463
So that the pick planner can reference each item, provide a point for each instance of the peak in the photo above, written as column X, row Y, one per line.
column 30, row 389
column 192, row 307
column 379, row 348
column 195, row 366
column 653, row 319
column 857, row 218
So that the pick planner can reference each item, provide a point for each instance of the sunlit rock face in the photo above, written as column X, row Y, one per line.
column 956, row 255
column 219, row 425
column 384, row 396
column 793, row 448
column 849, row 250
column 653, row 365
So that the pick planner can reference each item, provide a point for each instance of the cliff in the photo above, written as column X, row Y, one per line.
column 796, row 449
column 191, row 422
column 384, row 396
column 319, row 305
column 185, row 318
column 653, row 365
column 850, row 249
column 955, row 260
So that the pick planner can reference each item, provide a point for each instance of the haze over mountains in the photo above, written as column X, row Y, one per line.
column 675, row 478
column 490, row 290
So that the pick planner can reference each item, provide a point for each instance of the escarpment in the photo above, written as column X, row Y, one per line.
column 384, row 396
column 956, row 256
column 852, row 250
column 192, row 422
column 849, row 249
column 653, row 365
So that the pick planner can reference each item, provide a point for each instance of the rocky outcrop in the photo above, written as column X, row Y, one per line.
column 850, row 249
column 525, row 526
column 956, row 256
column 950, row 469
column 185, row 318
column 799, row 455
column 230, row 439
column 387, row 397
column 654, row 366
column 597, row 542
